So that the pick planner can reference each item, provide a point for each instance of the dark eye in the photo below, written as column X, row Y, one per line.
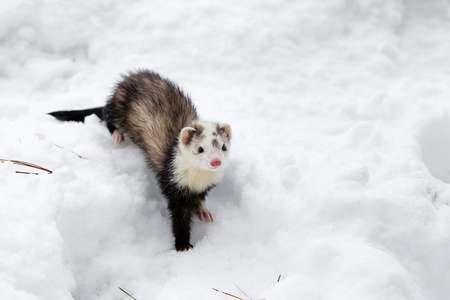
column 200, row 150
column 224, row 148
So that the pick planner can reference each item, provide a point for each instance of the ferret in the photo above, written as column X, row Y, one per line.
column 187, row 155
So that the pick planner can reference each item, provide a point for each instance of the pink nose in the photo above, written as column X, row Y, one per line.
column 215, row 163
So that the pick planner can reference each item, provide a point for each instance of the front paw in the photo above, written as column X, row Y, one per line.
column 184, row 247
column 204, row 215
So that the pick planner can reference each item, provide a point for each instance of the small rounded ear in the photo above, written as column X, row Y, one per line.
column 186, row 135
column 227, row 129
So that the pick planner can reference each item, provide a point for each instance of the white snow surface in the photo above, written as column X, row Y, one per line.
column 340, row 160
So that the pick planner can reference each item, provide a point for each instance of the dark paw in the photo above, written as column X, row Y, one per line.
column 184, row 248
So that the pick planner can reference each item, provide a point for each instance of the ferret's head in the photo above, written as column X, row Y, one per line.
column 206, row 145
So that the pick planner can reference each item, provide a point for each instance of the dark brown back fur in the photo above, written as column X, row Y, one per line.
column 151, row 111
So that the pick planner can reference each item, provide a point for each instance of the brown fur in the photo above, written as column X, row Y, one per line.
column 151, row 111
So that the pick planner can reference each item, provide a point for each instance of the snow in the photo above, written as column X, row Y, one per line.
column 340, row 170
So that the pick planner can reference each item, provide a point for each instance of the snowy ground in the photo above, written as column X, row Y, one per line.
column 340, row 160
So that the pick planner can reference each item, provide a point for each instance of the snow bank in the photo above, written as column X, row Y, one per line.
column 339, row 170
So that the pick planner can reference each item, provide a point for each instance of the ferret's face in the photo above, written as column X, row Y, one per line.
column 206, row 145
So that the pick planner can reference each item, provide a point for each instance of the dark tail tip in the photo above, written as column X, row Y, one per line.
column 77, row 115
column 67, row 116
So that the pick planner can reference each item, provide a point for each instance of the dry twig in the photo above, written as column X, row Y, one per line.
column 225, row 293
column 228, row 294
column 242, row 292
column 127, row 293
column 61, row 147
column 26, row 164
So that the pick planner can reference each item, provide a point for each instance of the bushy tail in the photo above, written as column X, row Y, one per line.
column 77, row 115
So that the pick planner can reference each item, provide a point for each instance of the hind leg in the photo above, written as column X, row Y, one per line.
column 117, row 137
